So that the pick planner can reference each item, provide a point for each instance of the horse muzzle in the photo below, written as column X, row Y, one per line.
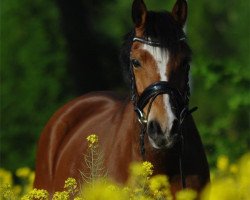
column 160, row 139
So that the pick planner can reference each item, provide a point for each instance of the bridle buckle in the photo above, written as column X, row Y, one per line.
column 141, row 116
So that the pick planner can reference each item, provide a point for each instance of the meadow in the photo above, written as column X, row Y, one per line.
column 229, row 181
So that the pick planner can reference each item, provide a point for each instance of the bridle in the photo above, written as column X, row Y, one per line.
column 179, row 99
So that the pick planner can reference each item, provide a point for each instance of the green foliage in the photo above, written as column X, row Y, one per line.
column 32, row 73
column 221, row 75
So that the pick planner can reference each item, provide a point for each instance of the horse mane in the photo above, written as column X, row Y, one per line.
column 160, row 27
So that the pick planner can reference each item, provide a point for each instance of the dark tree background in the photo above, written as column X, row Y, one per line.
column 92, row 55
column 53, row 51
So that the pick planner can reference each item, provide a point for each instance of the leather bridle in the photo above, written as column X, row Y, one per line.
column 180, row 100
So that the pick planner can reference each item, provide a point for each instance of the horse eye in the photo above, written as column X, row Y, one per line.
column 136, row 63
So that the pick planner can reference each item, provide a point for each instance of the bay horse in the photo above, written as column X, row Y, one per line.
column 153, row 124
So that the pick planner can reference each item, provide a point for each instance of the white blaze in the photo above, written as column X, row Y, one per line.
column 161, row 57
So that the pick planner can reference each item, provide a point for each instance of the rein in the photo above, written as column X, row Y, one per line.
column 180, row 101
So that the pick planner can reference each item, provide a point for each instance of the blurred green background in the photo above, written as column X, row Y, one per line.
column 53, row 51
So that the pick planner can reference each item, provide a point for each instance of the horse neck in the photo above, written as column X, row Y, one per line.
column 126, row 132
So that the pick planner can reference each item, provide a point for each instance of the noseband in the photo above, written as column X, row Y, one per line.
column 178, row 99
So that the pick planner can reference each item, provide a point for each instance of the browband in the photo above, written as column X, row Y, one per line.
column 145, row 41
column 150, row 42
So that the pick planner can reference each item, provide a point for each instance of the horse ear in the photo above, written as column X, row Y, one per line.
column 179, row 12
column 139, row 13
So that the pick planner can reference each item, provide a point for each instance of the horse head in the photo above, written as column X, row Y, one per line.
column 159, row 57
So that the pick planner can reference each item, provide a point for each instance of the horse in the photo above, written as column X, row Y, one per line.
column 153, row 123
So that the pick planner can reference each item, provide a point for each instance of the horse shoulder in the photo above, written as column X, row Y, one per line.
column 60, row 126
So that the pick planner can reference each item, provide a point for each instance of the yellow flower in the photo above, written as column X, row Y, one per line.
column 225, row 188
column 222, row 163
column 144, row 169
column 6, row 192
column 61, row 196
column 23, row 172
column 126, row 189
column 147, row 168
column 135, row 169
column 230, row 186
column 186, row 194
column 71, row 185
column 244, row 176
column 17, row 189
column 92, row 140
column 5, row 177
column 158, row 182
column 160, row 187
column 112, row 187
column 103, row 190
column 36, row 194
column 139, row 177
column 142, row 197
column 31, row 179
column 233, row 168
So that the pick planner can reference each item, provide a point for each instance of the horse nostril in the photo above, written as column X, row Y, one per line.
column 154, row 129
